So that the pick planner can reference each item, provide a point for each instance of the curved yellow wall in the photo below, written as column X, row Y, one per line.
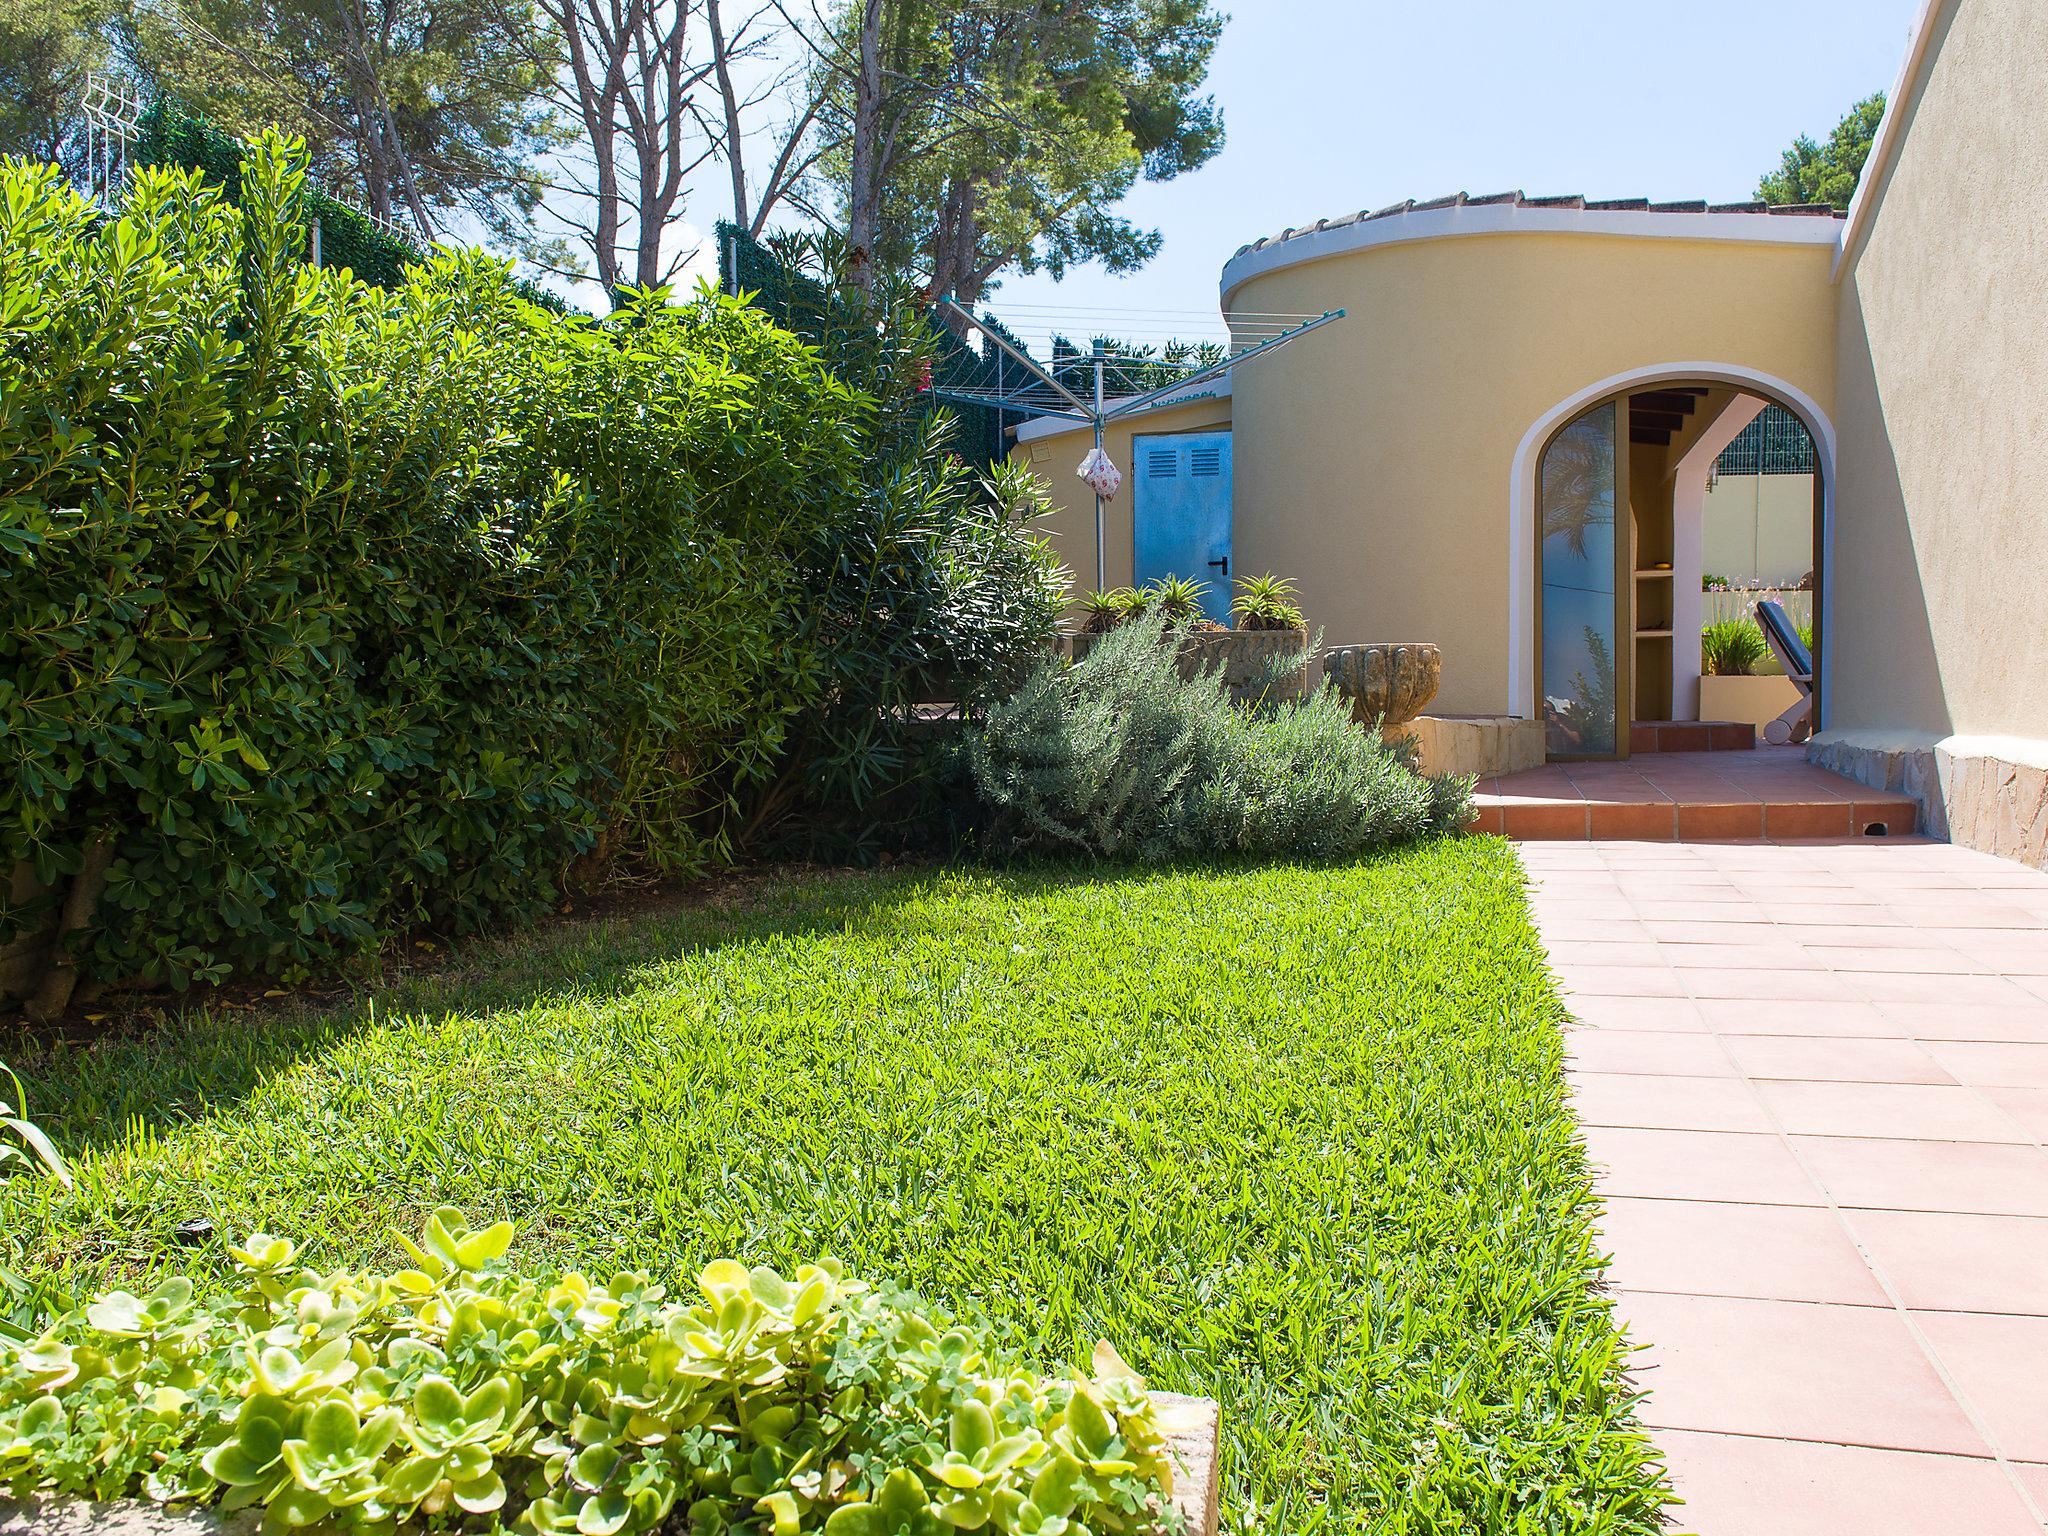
column 1374, row 458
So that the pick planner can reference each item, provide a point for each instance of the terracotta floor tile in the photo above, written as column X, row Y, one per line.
column 1697, row 1165
column 1831, row 1058
column 1915, row 988
column 1834, row 913
column 1769, row 984
column 1997, row 1065
column 1566, row 930
column 1659, row 1052
column 1719, row 820
column 1659, row 910
column 1740, row 1485
column 1542, row 819
column 1577, row 952
column 1969, row 1021
column 1703, row 1248
column 1766, row 954
column 1649, row 818
column 1973, row 1177
column 1620, row 980
column 2027, row 1108
column 2018, row 960
column 1664, row 1013
column 1945, row 1262
column 1796, row 1369
column 1909, row 1111
column 1866, row 935
column 1805, row 1016
column 1920, row 960
column 1998, row 1363
column 1666, row 1103
column 1742, row 931
column 1814, row 819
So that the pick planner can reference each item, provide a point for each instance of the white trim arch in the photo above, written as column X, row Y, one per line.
column 1521, row 699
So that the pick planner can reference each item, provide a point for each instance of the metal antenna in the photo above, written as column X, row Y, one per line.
column 113, row 121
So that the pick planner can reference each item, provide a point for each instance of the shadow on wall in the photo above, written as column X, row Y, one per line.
column 1882, row 670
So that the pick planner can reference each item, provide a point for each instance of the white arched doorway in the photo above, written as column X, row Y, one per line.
column 1522, row 497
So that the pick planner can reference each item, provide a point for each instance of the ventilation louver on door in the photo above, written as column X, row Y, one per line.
column 1205, row 461
column 1162, row 464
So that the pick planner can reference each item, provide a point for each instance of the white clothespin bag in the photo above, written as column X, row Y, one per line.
column 1103, row 477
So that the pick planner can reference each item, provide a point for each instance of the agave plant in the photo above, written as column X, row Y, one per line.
column 1179, row 598
column 1103, row 611
column 14, row 1116
column 1266, row 602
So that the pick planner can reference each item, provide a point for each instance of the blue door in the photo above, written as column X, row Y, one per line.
column 1180, row 511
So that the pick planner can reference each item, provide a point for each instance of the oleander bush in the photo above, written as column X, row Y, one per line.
column 461, row 1387
column 1120, row 756
column 331, row 610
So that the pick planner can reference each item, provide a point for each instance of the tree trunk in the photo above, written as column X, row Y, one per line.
column 81, row 900
column 864, row 194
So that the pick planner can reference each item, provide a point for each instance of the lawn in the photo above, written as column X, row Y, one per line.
column 1292, row 1137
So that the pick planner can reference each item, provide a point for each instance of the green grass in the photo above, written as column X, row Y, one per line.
column 1291, row 1137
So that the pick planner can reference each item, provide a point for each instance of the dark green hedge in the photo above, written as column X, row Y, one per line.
column 347, row 238
column 332, row 609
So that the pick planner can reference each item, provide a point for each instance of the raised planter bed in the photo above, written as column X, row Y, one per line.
column 1246, row 657
column 1192, row 1423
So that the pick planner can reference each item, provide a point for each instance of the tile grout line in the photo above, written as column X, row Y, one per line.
column 1876, row 1270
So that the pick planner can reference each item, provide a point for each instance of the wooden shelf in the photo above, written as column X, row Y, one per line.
column 1653, row 575
column 1653, row 634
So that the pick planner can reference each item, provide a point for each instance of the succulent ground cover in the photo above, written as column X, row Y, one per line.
column 1293, row 1136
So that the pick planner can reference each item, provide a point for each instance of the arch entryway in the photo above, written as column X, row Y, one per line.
column 1571, row 433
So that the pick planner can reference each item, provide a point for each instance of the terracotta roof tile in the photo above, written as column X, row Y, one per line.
column 1520, row 200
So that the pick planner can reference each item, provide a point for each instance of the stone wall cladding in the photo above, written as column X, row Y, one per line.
column 1976, row 799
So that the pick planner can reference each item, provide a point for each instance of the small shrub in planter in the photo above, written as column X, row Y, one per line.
column 1731, row 648
column 462, row 1393
column 1123, row 754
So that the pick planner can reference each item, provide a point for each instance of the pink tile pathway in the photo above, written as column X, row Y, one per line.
column 1813, row 1081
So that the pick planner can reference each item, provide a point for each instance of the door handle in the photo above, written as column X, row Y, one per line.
column 1223, row 565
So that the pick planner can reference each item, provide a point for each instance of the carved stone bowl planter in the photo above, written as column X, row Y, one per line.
column 1387, row 684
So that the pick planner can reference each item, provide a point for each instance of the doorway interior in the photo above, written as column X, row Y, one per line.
column 1663, row 510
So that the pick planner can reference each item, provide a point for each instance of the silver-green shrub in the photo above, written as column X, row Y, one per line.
column 1120, row 756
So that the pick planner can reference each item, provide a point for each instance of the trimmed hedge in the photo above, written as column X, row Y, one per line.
column 332, row 609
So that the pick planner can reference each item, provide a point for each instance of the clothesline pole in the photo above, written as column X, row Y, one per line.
column 1101, row 574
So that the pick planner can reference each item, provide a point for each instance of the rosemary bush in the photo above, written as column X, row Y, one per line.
column 1120, row 756
column 564, row 1407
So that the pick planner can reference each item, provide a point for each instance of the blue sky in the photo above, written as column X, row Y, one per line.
column 1336, row 105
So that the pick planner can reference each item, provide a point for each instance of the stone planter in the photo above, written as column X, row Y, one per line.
column 1191, row 1424
column 1389, row 683
column 1247, row 658
column 1749, row 700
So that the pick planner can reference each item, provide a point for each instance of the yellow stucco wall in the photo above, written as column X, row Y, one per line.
column 1938, row 600
column 1759, row 528
column 1374, row 459
column 1071, row 524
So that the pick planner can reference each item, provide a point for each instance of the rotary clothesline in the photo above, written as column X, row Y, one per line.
column 1045, row 393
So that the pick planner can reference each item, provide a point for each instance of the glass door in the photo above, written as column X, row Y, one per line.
column 1579, row 562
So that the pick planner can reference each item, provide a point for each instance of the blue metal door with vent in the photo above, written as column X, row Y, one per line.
column 1180, row 512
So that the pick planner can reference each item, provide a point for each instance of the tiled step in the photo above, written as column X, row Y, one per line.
column 1691, row 736
column 1772, row 792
